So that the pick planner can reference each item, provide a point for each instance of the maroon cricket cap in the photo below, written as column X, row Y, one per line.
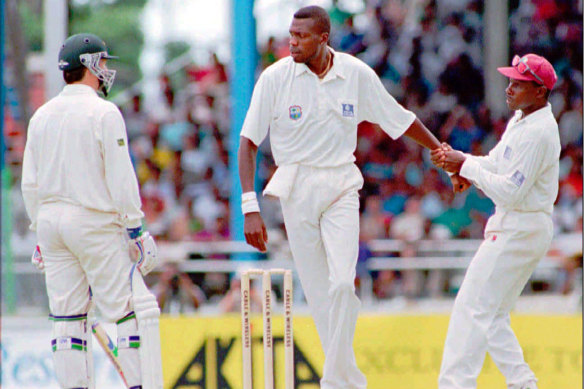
column 531, row 67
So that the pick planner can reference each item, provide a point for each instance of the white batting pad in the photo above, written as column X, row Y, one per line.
column 147, row 314
column 129, row 351
column 70, row 356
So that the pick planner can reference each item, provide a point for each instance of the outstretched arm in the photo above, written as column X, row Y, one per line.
column 254, row 228
column 421, row 135
column 438, row 158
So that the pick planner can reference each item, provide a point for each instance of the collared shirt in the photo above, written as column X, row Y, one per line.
column 521, row 171
column 314, row 121
column 77, row 152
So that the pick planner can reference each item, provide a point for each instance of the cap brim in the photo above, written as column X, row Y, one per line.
column 110, row 57
column 511, row 72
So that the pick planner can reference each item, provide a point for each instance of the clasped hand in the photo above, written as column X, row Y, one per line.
column 445, row 157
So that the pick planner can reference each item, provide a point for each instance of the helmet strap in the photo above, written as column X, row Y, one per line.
column 102, row 88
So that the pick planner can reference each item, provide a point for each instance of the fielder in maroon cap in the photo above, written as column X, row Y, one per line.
column 531, row 79
column 520, row 175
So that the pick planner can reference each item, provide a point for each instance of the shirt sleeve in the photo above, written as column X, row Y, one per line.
column 29, row 184
column 489, row 161
column 377, row 106
column 119, row 172
column 257, row 121
column 510, row 188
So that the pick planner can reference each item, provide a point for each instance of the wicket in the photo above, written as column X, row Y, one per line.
column 246, row 338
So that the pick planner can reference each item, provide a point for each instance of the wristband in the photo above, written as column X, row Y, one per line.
column 249, row 203
column 134, row 233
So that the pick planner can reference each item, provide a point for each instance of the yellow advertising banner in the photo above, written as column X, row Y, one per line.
column 392, row 351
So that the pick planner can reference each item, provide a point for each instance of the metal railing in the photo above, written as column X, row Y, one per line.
column 431, row 255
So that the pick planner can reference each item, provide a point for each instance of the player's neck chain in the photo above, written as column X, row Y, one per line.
column 329, row 65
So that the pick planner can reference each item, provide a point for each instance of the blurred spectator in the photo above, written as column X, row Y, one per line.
column 409, row 225
column 231, row 302
column 466, row 81
column 134, row 117
column 269, row 53
column 384, row 284
column 568, row 249
column 350, row 40
column 374, row 220
column 430, row 57
column 571, row 123
column 175, row 292
column 460, row 129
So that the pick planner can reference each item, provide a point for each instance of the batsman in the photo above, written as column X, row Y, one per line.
column 81, row 194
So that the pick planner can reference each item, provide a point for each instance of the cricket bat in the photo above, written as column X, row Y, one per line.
column 108, row 346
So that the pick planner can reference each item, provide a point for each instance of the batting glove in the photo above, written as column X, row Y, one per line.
column 37, row 259
column 144, row 252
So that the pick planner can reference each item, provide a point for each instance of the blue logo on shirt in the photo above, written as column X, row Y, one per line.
column 507, row 153
column 295, row 112
column 517, row 178
column 348, row 110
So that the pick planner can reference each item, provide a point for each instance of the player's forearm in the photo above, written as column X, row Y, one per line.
column 246, row 158
column 29, row 185
column 30, row 196
column 499, row 188
column 421, row 135
column 123, row 187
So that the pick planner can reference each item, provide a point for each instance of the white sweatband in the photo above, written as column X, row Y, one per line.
column 249, row 203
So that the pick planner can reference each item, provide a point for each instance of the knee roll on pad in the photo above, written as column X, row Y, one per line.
column 70, row 344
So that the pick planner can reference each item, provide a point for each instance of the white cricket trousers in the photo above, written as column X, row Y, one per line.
column 322, row 222
column 514, row 244
column 82, row 247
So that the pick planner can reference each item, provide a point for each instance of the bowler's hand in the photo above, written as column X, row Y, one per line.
column 438, row 155
column 255, row 231
column 447, row 158
column 453, row 160
column 459, row 184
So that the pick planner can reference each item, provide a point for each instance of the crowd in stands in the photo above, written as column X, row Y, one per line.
column 431, row 61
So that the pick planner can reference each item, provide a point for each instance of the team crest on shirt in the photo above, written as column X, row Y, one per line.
column 295, row 112
column 348, row 110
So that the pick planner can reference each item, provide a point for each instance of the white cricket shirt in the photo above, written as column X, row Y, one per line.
column 314, row 122
column 521, row 172
column 77, row 152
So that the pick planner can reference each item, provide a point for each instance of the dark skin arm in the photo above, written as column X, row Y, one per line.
column 459, row 184
column 193, row 291
column 254, row 228
column 449, row 159
column 421, row 135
